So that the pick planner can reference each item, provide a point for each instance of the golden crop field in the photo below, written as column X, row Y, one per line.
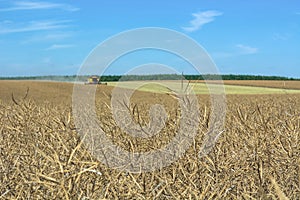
column 42, row 156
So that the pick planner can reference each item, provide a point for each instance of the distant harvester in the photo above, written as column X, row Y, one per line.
column 94, row 80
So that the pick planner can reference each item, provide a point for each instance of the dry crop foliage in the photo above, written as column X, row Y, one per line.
column 257, row 157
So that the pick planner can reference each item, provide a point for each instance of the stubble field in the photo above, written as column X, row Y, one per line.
column 42, row 156
column 263, row 83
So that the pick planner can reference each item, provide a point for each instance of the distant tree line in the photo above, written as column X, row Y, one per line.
column 109, row 78
column 191, row 77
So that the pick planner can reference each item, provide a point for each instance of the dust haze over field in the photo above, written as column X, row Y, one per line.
column 42, row 156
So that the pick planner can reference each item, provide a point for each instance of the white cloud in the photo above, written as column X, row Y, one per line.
column 59, row 46
column 246, row 49
column 32, row 26
column 202, row 18
column 36, row 5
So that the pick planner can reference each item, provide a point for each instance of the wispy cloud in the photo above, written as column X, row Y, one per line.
column 200, row 19
column 37, row 5
column 60, row 46
column 279, row 36
column 56, row 36
column 244, row 49
column 239, row 50
column 6, row 28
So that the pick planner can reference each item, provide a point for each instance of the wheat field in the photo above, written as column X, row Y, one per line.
column 42, row 156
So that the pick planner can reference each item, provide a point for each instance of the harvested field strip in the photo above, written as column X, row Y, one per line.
column 261, row 83
column 200, row 88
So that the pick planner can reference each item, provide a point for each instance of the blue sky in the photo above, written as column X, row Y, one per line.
column 54, row 37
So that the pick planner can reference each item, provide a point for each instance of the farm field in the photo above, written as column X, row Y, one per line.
column 42, row 156
column 201, row 88
column 263, row 83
